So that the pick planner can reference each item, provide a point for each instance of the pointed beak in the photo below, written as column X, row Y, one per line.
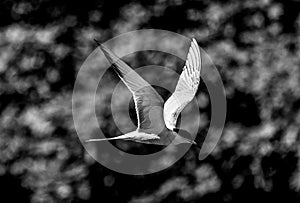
column 196, row 144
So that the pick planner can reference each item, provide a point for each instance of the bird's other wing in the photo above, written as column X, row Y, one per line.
column 148, row 103
column 121, row 137
column 186, row 87
column 133, row 136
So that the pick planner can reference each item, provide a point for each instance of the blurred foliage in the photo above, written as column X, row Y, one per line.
column 253, row 43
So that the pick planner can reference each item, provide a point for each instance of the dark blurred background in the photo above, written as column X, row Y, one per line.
column 253, row 43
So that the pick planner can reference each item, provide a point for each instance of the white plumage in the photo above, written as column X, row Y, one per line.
column 156, row 120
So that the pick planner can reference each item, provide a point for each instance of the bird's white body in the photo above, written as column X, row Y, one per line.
column 156, row 120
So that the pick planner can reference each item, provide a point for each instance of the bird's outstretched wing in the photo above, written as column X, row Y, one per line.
column 129, row 136
column 186, row 87
column 148, row 103
column 121, row 137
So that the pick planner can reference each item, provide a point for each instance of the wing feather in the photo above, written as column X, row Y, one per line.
column 148, row 103
column 186, row 87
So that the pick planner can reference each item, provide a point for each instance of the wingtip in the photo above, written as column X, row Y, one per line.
column 105, row 50
column 194, row 41
column 87, row 141
column 98, row 43
column 92, row 140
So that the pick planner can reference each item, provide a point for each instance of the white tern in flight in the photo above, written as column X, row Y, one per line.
column 156, row 120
